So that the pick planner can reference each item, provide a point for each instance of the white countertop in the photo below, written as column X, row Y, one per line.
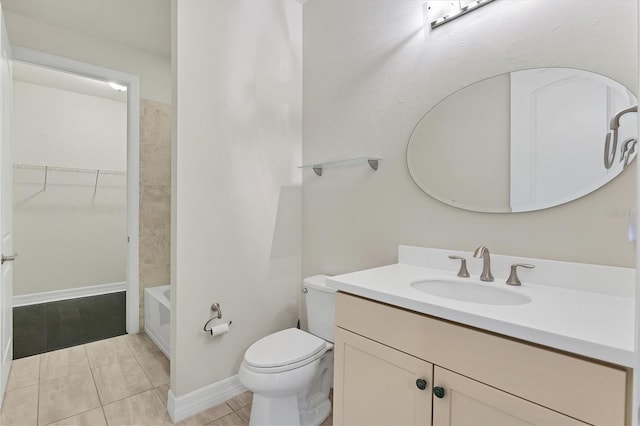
column 589, row 323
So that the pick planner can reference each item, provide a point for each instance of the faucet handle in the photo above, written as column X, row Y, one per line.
column 513, row 276
column 463, row 272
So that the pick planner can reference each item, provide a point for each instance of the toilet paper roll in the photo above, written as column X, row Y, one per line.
column 220, row 329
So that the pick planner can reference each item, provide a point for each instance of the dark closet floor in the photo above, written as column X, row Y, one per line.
column 55, row 325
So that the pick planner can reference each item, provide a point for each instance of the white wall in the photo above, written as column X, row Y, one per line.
column 236, row 203
column 67, row 237
column 68, row 129
column 154, row 70
column 373, row 68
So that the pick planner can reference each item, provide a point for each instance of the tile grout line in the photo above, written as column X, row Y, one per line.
column 38, row 397
column 104, row 416
column 27, row 385
column 39, row 382
column 68, row 417
column 144, row 372
column 93, row 378
column 133, row 355
column 137, row 393
column 226, row 415
column 114, row 361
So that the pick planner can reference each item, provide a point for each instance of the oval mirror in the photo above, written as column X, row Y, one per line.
column 523, row 141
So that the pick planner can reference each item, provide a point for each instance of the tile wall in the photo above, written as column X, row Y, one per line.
column 155, row 196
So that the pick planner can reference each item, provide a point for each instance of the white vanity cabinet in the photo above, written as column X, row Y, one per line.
column 381, row 353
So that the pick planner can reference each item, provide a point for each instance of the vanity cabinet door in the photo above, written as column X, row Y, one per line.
column 377, row 385
column 462, row 401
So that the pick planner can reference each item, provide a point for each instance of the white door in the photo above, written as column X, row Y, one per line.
column 559, row 120
column 6, row 210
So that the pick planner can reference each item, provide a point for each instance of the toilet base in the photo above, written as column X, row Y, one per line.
column 274, row 411
column 316, row 413
column 288, row 411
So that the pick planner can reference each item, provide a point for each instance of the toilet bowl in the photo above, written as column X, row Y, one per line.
column 290, row 372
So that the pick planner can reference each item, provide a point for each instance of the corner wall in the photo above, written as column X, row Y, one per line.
column 236, row 210
column 373, row 68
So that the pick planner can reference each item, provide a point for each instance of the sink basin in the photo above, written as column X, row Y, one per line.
column 470, row 292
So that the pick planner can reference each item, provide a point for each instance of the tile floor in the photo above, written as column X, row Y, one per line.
column 119, row 381
column 56, row 325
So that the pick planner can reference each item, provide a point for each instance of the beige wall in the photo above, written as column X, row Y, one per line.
column 470, row 130
column 371, row 71
column 155, row 196
column 236, row 204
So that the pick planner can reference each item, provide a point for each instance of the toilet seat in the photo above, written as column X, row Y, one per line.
column 284, row 350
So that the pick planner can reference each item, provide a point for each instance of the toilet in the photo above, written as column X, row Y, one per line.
column 290, row 372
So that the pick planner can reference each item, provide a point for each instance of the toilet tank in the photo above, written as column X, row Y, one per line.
column 320, row 301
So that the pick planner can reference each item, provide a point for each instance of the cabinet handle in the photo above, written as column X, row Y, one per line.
column 421, row 384
column 438, row 392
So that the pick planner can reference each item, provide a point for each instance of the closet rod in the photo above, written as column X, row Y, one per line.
column 66, row 169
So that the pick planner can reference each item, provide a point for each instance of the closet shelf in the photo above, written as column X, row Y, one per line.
column 66, row 169
column 47, row 169
column 319, row 167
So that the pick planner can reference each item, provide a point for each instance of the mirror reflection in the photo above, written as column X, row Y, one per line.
column 525, row 140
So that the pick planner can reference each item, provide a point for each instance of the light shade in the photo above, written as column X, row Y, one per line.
column 117, row 86
column 441, row 11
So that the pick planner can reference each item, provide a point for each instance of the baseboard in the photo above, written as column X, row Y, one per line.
column 70, row 293
column 185, row 406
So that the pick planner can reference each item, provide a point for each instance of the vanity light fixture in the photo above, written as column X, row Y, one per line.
column 455, row 10
column 117, row 86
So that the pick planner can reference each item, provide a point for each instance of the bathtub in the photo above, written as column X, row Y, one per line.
column 157, row 316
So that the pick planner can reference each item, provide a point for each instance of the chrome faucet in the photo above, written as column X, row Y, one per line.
column 483, row 252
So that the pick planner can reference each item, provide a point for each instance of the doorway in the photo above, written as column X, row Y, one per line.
column 102, row 186
column 69, row 191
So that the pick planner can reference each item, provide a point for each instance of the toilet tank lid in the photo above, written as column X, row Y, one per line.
column 318, row 282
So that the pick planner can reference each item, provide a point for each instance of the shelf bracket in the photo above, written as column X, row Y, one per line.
column 318, row 170
column 373, row 163
column 95, row 186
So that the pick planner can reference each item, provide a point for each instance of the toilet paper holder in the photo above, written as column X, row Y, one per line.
column 217, row 312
